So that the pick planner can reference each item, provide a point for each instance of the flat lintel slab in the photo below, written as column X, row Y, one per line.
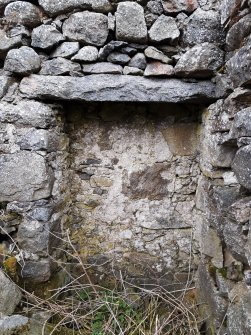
column 121, row 88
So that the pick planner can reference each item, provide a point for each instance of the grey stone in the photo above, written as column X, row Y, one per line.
column 118, row 58
column 237, row 67
column 242, row 166
column 66, row 50
column 154, row 53
column 134, row 71
column 86, row 54
column 31, row 113
column 10, row 295
column 111, row 22
column 139, row 61
column 24, row 13
column 229, row 9
column 150, row 19
column 38, row 272
column 130, row 23
column 7, row 43
column 128, row 50
column 24, row 177
column 116, row 88
column 155, row 7
column 4, row 85
column 176, row 6
column 155, row 69
column 102, row 67
column 46, row 37
column 87, row 27
column 41, row 213
column 33, row 237
column 110, row 47
column 56, row 7
column 241, row 126
column 201, row 61
column 163, row 30
column 59, row 66
column 39, row 139
column 238, row 32
column 14, row 324
column 203, row 26
column 239, row 311
column 22, row 61
column 240, row 211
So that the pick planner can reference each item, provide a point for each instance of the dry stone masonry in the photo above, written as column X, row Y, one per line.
column 127, row 125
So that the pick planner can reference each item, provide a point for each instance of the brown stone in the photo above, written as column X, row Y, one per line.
column 182, row 138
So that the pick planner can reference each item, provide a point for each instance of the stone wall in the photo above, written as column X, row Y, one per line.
column 223, row 193
column 155, row 190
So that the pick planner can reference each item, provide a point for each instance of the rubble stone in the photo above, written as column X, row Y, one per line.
column 130, row 23
column 24, row 13
column 87, row 27
column 23, row 61
column 163, row 30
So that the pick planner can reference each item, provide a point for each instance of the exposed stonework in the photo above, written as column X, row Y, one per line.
column 154, row 190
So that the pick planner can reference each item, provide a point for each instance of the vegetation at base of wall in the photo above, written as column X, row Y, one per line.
column 82, row 307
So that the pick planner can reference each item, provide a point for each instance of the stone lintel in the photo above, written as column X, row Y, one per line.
column 121, row 88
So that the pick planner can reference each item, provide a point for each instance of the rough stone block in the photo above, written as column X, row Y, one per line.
column 87, row 27
column 242, row 166
column 130, row 23
column 24, row 177
column 10, row 295
column 24, row 13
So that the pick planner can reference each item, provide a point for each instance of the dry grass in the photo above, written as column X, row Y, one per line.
column 90, row 309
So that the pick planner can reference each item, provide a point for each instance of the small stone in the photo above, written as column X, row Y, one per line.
column 129, row 70
column 130, row 23
column 118, row 58
column 155, row 7
column 110, row 47
column 14, row 324
column 56, row 7
column 240, row 74
column 176, row 6
column 4, row 85
column 129, row 51
column 7, row 43
column 164, row 29
column 59, row 66
column 154, row 53
column 86, row 54
column 241, row 126
column 87, row 27
column 38, row 272
column 203, row 26
column 201, row 61
column 102, row 67
column 138, row 61
column 24, row 13
column 156, row 69
column 242, row 166
column 23, row 61
column 45, row 37
column 238, row 32
column 10, row 295
column 66, row 50
column 150, row 19
column 111, row 22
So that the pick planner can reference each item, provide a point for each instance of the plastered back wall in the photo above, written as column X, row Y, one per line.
column 135, row 172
